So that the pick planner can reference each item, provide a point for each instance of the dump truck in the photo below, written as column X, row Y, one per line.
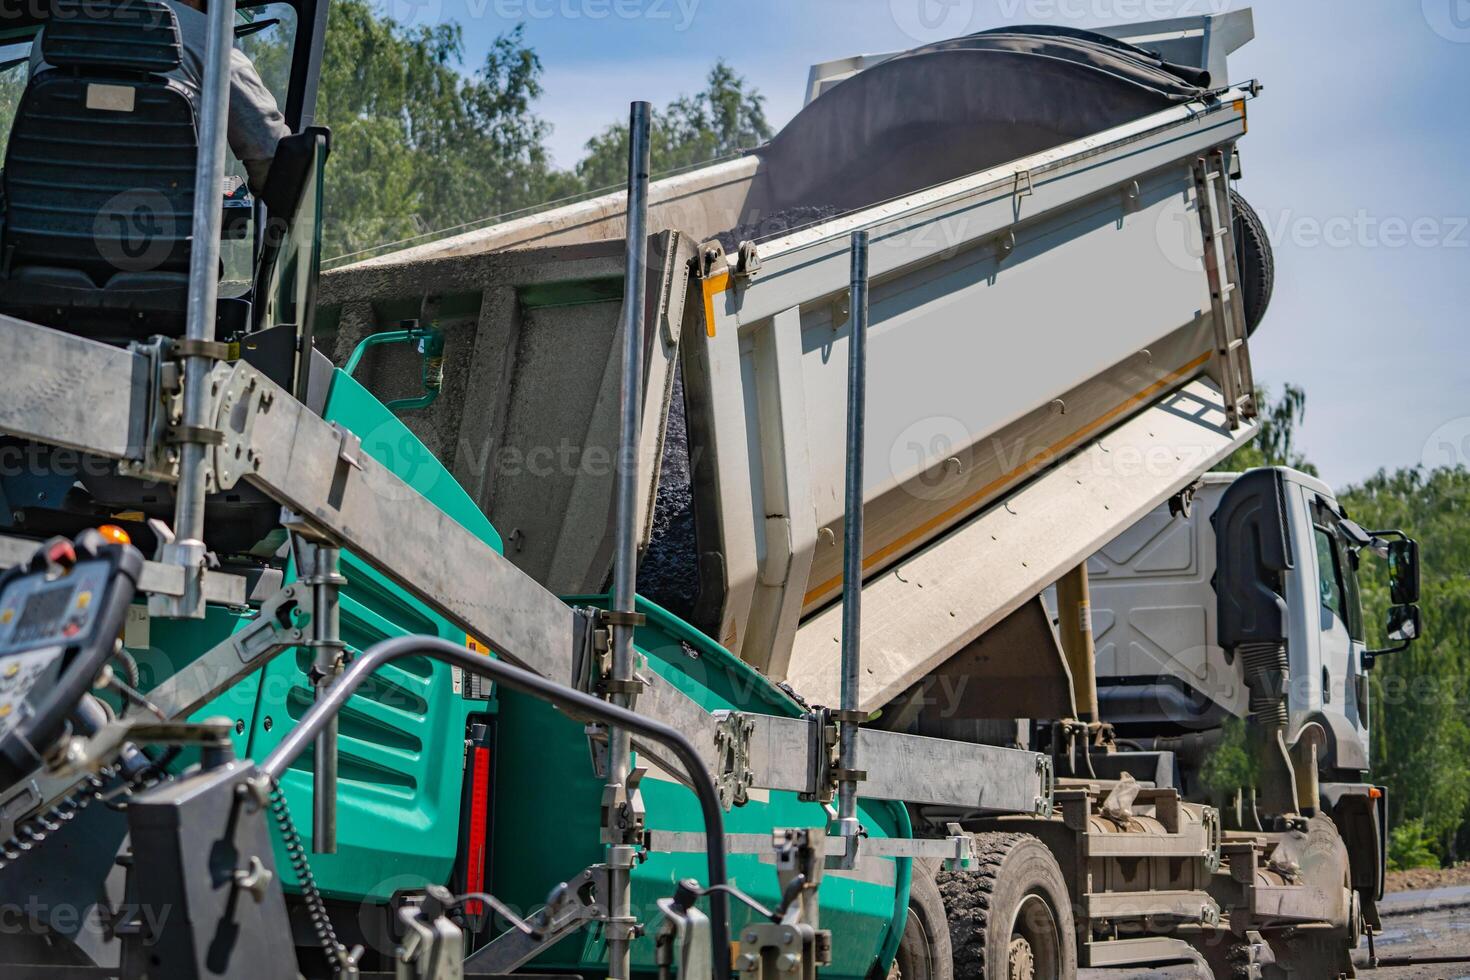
column 501, row 575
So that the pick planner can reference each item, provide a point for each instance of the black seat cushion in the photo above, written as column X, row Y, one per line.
column 99, row 175
column 112, row 35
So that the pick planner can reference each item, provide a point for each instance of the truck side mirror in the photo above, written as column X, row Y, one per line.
column 1403, row 572
column 1405, row 624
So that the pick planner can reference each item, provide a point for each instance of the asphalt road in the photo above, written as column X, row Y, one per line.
column 1422, row 924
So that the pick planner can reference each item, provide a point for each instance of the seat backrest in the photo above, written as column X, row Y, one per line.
column 99, row 172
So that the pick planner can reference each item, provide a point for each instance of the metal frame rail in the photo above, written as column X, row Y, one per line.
column 341, row 495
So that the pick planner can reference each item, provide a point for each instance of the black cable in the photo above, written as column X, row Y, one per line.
column 321, row 923
column 561, row 697
column 130, row 663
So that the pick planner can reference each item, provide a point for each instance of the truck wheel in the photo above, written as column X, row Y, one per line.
column 1010, row 918
column 924, row 951
column 1256, row 260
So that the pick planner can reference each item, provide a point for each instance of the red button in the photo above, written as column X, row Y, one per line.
column 61, row 553
column 71, row 629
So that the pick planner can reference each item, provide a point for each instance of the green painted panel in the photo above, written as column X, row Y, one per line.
column 401, row 745
column 175, row 643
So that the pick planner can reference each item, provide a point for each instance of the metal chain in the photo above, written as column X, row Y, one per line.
column 34, row 831
column 337, row 954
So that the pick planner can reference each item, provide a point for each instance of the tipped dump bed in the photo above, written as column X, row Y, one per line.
column 917, row 120
column 1037, row 281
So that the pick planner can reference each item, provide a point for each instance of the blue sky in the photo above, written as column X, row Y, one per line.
column 1356, row 160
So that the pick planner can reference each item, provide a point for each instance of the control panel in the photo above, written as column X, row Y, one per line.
column 40, row 617
column 60, row 617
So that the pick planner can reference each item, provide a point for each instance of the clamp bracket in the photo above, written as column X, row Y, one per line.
column 822, row 761
column 734, row 775
column 214, row 350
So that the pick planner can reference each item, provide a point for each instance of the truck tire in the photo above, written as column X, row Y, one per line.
column 1256, row 261
column 924, row 951
column 1010, row 917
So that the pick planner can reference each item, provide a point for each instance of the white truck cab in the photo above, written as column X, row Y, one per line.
column 1157, row 609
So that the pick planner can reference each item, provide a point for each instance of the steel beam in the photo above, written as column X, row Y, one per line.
column 73, row 393
column 219, row 587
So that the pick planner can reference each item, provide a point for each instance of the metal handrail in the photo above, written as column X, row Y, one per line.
column 562, row 697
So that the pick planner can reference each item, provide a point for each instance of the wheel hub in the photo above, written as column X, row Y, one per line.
column 1022, row 963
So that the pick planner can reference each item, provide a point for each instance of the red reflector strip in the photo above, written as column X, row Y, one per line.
column 479, row 820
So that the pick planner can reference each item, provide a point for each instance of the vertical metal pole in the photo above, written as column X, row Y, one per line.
column 187, row 548
column 327, row 665
column 625, row 548
column 852, row 544
column 1074, row 607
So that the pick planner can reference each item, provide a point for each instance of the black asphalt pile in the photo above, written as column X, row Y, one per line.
column 777, row 224
column 669, row 572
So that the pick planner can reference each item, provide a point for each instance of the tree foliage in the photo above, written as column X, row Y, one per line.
column 1276, row 443
column 1419, row 696
column 416, row 144
column 722, row 120
column 420, row 144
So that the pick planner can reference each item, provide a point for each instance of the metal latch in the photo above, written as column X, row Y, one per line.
column 747, row 261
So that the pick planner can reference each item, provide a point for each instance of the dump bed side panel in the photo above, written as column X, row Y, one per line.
column 527, row 418
column 1015, row 316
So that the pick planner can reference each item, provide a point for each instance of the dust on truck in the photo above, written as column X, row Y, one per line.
column 381, row 677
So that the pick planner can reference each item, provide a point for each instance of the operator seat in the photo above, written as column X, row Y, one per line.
column 99, row 177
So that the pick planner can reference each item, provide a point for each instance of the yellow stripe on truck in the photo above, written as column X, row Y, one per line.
column 713, row 286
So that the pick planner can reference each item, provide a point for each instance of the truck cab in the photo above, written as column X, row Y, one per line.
column 1156, row 611
column 1185, row 600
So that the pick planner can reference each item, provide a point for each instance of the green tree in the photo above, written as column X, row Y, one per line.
column 417, row 146
column 12, row 84
column 1275, row 445
column 1422, row 739
column 724, row 119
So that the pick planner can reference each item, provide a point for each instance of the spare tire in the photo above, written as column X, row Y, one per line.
column 1256, row 261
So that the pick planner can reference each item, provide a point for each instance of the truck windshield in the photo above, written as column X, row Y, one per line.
column 1337, row 575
